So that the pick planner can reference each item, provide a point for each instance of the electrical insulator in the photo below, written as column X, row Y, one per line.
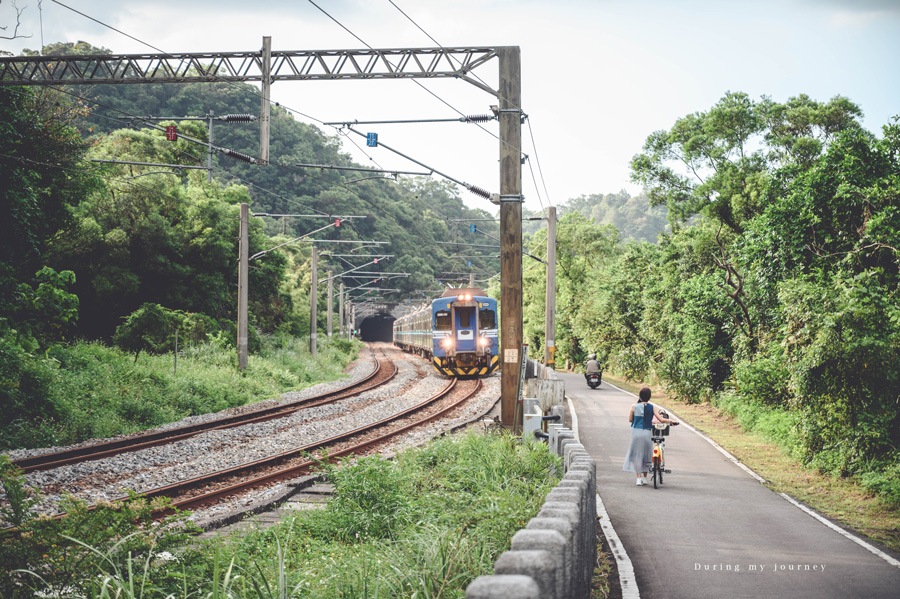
column 478, row 118
column 479, row 192
column 239, row 155
column 238, row 118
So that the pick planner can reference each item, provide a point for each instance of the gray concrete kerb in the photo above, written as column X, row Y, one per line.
column 507, row 586
column 567, row 530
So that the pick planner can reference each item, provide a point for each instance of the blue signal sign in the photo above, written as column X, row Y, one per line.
column 468, row 263
column 472, row 228
column 372, row 139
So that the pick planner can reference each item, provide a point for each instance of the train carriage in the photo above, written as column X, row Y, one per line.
column 458, row 332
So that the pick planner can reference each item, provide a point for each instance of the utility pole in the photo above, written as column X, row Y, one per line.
column 330, row 293
column 510, row 93
column 243, row 259
column 471, row 279
column 313, row 300
column 266, row 94
column 550, row 298
column 341, row 310
column 209, row 151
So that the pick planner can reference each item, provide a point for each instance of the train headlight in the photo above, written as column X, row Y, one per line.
column 447, row 342
column 485, row 342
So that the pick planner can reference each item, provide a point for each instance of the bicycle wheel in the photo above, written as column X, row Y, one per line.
column 662, row 468
column 656, row 471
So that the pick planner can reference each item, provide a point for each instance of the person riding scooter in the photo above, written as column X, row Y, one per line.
column 592, row 366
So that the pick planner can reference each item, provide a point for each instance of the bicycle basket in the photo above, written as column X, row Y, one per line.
column 661, row 430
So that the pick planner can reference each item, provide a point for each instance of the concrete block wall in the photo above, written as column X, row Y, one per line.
column 553, row 557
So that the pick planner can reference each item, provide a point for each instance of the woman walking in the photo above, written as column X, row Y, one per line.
column 640, row 450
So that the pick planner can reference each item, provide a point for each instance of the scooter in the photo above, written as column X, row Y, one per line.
column 593, row 380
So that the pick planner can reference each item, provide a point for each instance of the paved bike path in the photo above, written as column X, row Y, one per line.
column 712, row 530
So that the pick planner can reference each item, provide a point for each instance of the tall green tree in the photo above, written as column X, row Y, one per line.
column 715, row 163
column 43, row 176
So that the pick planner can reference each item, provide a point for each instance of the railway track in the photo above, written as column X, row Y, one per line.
column 210, row 488
column 384, row 371
column 252, row 463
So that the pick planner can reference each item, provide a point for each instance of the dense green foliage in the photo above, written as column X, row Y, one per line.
column 423, row 525
column 776, row 294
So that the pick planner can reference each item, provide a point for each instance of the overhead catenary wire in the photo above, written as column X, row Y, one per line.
column 456, row 110
column 475, row 75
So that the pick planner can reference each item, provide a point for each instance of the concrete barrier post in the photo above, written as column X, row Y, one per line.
column 510, row 586
column 566, row 529
column 553, row 543
column 537, row 564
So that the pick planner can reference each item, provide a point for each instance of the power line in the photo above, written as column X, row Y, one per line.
column 456, row 110
column 538, row 159
column 109, row 26
column 260, row 94
column 475, row 75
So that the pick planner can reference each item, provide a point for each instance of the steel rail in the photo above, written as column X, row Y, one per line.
column 102, row 450
column 292, row 471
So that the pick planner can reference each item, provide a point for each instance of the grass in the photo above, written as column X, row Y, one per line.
column 424, row 525
column 843, row 499
column 88, row 390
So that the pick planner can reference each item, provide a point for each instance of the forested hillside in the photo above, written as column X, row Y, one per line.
column 633, row 217
column 776, row 293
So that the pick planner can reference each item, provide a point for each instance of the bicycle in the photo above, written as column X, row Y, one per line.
column 657, row 467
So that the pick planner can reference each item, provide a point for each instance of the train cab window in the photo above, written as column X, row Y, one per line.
column 442, row 321
column 465, row 318
column 487, row 319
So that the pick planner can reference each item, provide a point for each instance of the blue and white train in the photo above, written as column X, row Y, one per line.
column 458, row 332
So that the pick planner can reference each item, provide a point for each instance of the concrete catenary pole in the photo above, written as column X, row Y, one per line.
column 266, row 94
column 243, row 261
column 330, row 300
column 341, row 310
column 209, row 150
column 313, row 301
column 510, row 232
column 550, row 297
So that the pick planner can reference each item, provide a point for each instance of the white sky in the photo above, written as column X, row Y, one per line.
column 598, row 75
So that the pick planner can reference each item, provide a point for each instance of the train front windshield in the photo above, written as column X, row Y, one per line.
column 487, row 319
column 442, row 321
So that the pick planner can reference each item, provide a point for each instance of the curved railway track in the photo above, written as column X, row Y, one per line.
column 216, row 486
column 384, row 371
column 235, row 482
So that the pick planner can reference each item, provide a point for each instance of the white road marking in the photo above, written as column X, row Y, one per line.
column 843, row 532
column 868, row 547
column 627, row 579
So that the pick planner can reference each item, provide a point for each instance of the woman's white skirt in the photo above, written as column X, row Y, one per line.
column 640, row 451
